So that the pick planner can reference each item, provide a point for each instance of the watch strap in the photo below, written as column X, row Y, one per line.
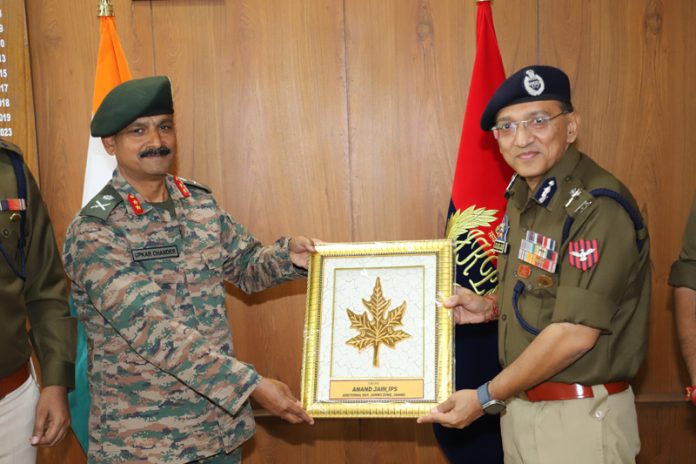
column 484, row 396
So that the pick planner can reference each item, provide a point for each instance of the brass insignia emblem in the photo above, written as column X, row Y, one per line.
column 471, row 218
column 544, row 281
column 474, row 254
column 524, row 271
column 380, row 329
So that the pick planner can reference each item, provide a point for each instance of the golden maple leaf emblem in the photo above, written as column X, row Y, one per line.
column 471, row 218
column 380, row 329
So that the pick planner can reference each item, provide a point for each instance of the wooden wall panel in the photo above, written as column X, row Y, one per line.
column 409, row 65
column 630, row 65
column 65, row 38
column 341, row 120
column 516, row 25
column 18, row 98
column 400, row 108
column 261, row 117
column 633, row 96
column 667, row 433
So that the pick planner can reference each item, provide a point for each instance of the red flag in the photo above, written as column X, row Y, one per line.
column 476, row 209
column 481, row 174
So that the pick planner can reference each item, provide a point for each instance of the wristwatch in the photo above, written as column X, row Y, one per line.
column 488, row 404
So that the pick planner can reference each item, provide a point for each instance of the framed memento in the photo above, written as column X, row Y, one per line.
column 378, row 341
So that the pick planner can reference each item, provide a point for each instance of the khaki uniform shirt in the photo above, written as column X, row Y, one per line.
column 42, row 297
column 612, row 293
column 683, row 273
column 164, row 381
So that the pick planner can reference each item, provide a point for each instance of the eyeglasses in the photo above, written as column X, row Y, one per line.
column 536, row 124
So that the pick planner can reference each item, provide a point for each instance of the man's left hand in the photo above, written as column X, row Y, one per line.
column 52, row 416
column 458, row 411
column 300, row 249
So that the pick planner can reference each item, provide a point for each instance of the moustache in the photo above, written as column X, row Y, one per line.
column 160, row 151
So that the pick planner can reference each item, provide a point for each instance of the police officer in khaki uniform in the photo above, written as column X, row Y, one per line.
column 32, row 285
column 683, row 278
column 574, row 290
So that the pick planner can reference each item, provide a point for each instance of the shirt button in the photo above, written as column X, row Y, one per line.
column 503, row 317
column 530, row 287
column 599, row 414
column 568, row 178
column 6, row 233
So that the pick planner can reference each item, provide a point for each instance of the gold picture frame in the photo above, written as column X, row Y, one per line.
column 378, row 341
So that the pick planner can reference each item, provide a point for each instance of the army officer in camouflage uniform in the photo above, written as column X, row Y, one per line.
column 148, row 257
column 33, row 287
column 574, row 292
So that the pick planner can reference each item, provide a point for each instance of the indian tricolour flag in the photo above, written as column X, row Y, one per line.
column 112, row 69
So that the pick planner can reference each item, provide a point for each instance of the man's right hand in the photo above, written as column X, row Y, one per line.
column 276, row 398
column 468, row 307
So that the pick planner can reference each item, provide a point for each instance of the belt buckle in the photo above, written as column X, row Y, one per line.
column 582, row 391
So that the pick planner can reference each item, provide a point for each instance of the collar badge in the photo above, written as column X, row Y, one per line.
column 546, row 191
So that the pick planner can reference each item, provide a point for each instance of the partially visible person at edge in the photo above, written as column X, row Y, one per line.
column 33, row 286
column 683, row 278
column 148, row 257
column 574, row 292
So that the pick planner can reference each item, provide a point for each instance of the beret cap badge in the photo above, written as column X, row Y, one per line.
column 527, row 85
column 533, row 83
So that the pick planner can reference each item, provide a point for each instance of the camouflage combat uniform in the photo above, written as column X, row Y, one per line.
column 164, row 382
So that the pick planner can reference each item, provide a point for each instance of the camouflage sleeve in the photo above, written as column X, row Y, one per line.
column 251, row 266
column 98, row 262
column 53, row 330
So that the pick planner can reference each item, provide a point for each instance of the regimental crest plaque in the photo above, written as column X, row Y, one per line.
column 378, row 341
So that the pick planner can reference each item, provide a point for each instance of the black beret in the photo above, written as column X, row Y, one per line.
column 131, row 100
column 532, row 83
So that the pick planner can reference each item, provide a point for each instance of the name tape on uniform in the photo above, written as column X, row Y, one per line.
column 162, row 252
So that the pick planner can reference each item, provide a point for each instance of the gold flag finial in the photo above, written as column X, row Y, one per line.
column 105, row 8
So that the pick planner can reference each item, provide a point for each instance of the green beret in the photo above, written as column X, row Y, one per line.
column 131, row 100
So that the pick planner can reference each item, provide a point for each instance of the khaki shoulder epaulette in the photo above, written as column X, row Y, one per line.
column 103, row 203
column 193, row 183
